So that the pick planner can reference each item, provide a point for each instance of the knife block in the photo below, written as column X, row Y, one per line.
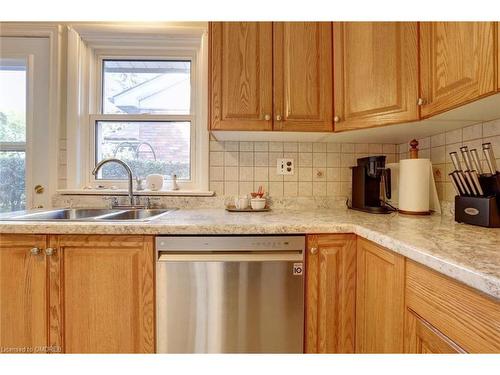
column 490, row 184
column 482, row 211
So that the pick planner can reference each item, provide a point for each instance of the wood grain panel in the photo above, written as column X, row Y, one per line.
column 23, row 298
column 467, row 317
column 240, row 75
column 55, row 292
column 331, row 294
column 422, row 338
column 375, row 73
column 498, row 55
column 379, row 299
column 108, row 293
column 457, row 62
column 303, row 92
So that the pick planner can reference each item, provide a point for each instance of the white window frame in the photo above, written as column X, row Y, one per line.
column 88, row 47
column 111, row 54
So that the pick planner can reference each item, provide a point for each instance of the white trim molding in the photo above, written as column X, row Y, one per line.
column 88, row 44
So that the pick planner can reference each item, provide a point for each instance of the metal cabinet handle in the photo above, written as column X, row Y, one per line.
column 35, row 251
column 267, row 117
column 314, row 250
column 278, row 118
column 49, row 251
column 420, row 101
column 336, row 119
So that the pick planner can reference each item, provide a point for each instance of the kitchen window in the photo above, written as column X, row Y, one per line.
column 151, row 124
column 140, row 97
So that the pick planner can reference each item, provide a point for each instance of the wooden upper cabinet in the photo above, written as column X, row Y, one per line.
column 375, row 73
column 457, row 64
column 330, row 293
column 379, row 299
column 108, row 295
column 303, row 86
column 23, row 294
column 241, row 76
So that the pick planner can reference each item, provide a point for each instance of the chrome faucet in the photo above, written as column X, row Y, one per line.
column 130, row 177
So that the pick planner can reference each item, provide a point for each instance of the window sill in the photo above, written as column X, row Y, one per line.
column 178, row 193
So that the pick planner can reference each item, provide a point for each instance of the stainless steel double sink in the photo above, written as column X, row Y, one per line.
column 89, row 214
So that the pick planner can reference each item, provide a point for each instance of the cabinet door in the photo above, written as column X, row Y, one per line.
column 23, row 294
column 241, row 76
column 376, row 73
column 457, row 63
column 330, row 293
column 467, row 317
column 379, row 299
column 303, row 76
column 422, row 338
column 108, row 293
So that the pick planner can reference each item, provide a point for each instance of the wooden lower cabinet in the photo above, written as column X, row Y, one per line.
column 331, row 293
column 23, row 294
column 108, row 293
column 95, row 294
column 422, row 338
column 380, row 299
column 457, row 315
column 80, row 294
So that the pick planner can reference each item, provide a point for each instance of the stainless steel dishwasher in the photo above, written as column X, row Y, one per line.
column 230, row 294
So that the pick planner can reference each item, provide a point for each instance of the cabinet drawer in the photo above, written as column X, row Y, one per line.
column 467, row 317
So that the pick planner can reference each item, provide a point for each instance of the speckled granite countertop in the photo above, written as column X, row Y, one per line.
column 466, row 253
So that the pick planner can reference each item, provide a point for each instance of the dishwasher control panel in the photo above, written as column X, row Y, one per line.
column 230, row 243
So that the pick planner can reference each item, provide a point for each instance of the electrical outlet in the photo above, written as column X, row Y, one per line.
column 285, row 166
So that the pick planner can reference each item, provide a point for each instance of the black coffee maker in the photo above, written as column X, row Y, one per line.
column 366, row 180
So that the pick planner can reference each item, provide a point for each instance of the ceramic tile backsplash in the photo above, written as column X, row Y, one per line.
column 438, row 147
column 321, row 169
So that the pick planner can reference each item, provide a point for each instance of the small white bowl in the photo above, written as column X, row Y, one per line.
column 258, row 203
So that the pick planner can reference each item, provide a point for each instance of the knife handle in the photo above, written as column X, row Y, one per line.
column 470, row 183
column 490, row 157
column 466, row 156
column 455, row 161
column 459, row 178
column 477, row 184
column 477, row 162
column 455, row 184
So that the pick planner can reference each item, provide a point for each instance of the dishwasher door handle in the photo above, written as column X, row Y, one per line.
column 233, row 257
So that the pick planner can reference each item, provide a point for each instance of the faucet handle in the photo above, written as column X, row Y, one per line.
column 113, row 201
column 149, row 200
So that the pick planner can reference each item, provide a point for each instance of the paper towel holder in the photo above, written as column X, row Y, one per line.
column 414, row 149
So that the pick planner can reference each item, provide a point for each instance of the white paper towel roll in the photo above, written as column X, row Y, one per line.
column 414, row 185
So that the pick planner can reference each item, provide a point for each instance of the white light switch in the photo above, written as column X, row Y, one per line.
column 285, row 166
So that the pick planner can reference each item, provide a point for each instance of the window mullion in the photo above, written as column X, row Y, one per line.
column 13, row 146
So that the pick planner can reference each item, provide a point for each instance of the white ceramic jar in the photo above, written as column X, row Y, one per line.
column 154, row 182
